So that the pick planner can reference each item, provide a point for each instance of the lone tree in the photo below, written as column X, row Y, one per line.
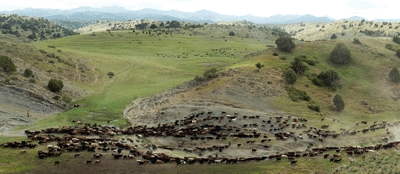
column 394, row 75
column 7, row 64
column 259, row 66
column 338, row 102
column 341, row 55
column 290, row 76
column 55, row 85
column 231, row 33
column 285, row 44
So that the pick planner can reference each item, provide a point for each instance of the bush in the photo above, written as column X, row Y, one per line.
column 259, row 66
column 338, row 102
column 7, row 80
column 329, row 78
column 32, row 80
column 333, row 36
column 394, row 75
column 110, row 74
column 210, row 73
column 398, row 53
column 290, row 76
column 314, row 107
column 231, row 33
column 7, row 64
column 57, row 97
column 28, row 72
column 198, row 78
column 396, row 39
column 282, row 57
column 340, row 54
column 389, row 47
column 356, row 41
column 275, row 54
column 296, row 94
column 298, row 66
column 285, row 44
column 55, row 85
column 66, row 98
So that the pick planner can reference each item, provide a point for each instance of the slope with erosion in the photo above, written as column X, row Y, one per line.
column 20, row 94
column 143, row 65
column 241, row 89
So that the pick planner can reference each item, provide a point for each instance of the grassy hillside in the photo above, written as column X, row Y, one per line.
column 143, row 65
column 365, row 79
column 32, row 28
column 348, row 29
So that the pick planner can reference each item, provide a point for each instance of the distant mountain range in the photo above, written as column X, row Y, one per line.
column 120, row 13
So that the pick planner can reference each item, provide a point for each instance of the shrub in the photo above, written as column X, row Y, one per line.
column 389, row 47
column 7, row 80
column 296, row 94
column 28, row 72
column 55, row 85
column 32, row 80
column 356, row 41
column 329, row 78
column 338, row 102
column 7, row 64
column 57, row 97
column 396, row 39
column 394, row 75
column 231, row 33
column 314, row 107
column 340, row 54
column 110, row 74
column 210, row 73
column 259, row 66
column 298, row 66
column 290, row 76
column 285, row 44
column 275, row 54
column 66, row 98
column 282, row 57
column 198, row 78
column 398, row 53
column 333, row 36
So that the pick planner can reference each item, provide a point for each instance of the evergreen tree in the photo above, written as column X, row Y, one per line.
column 394, row 75
column 338, row 102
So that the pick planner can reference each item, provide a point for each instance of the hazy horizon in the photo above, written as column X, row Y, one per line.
column 340, row 9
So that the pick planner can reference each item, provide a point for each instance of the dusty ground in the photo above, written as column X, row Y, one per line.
column 233, row 91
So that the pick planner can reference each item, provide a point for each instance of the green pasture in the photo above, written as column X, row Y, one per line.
column 143, row 66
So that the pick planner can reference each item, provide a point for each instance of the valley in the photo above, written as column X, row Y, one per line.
column 187, row 95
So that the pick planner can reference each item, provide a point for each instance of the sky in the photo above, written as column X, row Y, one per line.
column 338, row 9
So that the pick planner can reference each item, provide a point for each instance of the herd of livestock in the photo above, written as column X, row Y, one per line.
column 195, row 127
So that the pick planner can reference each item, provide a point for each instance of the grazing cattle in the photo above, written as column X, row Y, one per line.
column 57, row 163
column 23, row 151
column 326, row 155
column 338, row 160
column 337, row 155
column 253, row 150
column 293, row 162
column 77, row 155
column 97, row 161
column 88, row 162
